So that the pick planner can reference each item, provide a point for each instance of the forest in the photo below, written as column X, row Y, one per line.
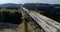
column 8, row 17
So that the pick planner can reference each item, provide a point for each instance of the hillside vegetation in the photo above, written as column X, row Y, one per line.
column 10, row 16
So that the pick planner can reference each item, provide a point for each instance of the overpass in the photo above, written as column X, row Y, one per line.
column 47, row 24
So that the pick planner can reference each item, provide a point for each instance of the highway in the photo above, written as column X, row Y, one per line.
column 49, row 21
column 43, row 24
column 47, row 24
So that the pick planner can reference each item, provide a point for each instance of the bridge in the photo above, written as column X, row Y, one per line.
column 47, row 24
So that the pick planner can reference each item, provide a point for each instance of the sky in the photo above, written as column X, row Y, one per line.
column 30, row 1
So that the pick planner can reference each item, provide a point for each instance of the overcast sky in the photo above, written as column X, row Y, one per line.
column 30, row 1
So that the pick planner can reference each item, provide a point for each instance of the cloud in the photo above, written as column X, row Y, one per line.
column 30, row 1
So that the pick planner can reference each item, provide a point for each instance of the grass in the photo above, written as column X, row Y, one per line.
column 11, row 11
column 26, row 25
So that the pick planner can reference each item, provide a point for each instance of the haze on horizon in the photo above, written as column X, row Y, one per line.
column 30, row 1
